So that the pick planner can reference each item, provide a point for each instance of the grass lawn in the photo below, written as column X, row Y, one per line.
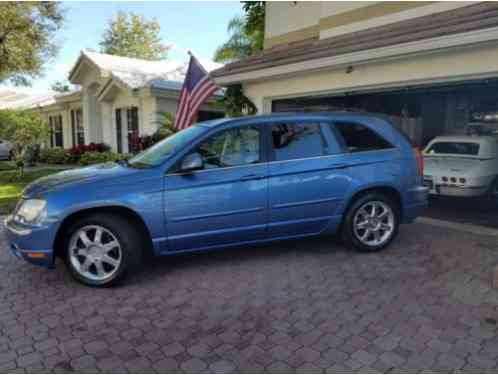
column 11, row 186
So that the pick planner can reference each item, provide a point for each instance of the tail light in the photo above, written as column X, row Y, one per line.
column 420, row 161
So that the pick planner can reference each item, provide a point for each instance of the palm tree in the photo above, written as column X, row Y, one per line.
column 238, row 45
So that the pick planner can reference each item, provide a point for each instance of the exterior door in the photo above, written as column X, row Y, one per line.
column 132, row 123
column 307, row 179
column 226, row 201
column 119, row 131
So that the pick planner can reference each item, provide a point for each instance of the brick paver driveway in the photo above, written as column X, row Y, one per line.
column 306, row 306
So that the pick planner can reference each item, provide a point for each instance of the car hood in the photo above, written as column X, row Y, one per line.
column 60, row 180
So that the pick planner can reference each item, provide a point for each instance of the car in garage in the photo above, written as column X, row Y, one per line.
column 461, row 166
column 5, row 150
column 225, row 183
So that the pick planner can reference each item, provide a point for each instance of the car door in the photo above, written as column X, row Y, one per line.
column 308, row 179
column 226, row 201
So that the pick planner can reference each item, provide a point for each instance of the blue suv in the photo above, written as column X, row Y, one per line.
column 223, row 183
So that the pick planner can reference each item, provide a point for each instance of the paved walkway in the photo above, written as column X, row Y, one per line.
column 301, row 306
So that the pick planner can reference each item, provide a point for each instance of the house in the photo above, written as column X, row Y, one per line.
column 431, row 66
column 118, row 96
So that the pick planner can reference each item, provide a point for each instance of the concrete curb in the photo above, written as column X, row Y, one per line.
column 468, row 228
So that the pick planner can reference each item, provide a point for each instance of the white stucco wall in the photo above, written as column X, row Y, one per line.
column 287, row 16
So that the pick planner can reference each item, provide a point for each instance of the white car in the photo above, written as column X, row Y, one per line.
column 463, row 166
column 5, row 149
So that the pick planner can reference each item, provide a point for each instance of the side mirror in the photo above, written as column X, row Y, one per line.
column 192, row 162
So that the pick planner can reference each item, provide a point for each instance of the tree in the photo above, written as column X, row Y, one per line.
column 23, row 129
column 61, row 86
column 236, row 103
column 246, row 34
column 255, row 22
column 131, row 35
column 246, row 39
column 238, row 45
column 27, row 31
column 165, row 126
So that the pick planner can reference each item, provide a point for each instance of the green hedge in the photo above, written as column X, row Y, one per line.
column 56, row 155
column 60, row 156
column 89, row 158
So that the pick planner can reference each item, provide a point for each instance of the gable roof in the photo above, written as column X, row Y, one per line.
column 139, row 73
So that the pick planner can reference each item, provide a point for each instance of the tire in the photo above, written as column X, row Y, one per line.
column 356, row 223
column 116, row 251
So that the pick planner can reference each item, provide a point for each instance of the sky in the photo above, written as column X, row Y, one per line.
column 200, row 26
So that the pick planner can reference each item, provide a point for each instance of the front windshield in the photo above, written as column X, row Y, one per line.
column 158, row 153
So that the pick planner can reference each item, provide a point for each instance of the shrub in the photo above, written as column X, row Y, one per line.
column 162, row 133
column 79, row 150
column 89, row 158
column 32, row 154
column 55, row 155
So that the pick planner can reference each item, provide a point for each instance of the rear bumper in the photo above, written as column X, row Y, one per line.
column 30, row 244
column 416, row 204
column 459, row 191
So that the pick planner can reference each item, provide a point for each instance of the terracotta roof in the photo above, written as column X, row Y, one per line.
column 473, row 17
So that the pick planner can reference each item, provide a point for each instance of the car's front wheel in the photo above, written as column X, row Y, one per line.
column 371, row 223
column 101, row 248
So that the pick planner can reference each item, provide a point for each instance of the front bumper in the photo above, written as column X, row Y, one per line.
column 32, row 244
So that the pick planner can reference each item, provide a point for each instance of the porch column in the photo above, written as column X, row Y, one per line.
column 92, row 116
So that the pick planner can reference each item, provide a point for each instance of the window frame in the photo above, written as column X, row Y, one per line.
column 343, row 144
column 330, row 142
column 263, row 157
column 55, row 121
column 77, row 127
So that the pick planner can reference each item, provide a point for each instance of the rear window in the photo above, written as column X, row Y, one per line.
column 360, row 138
column 456, row 148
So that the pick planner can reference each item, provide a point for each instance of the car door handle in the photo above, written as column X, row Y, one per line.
column 252, row 177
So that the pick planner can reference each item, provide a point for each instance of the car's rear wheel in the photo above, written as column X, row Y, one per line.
column 371, row 223
column 101, row 249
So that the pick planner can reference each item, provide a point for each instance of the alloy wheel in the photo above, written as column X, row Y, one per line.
column 95, row 252
column 374, row 223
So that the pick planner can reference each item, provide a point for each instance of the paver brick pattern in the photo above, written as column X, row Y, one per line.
column 425, row 304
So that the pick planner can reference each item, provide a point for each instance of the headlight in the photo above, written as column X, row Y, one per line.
column 31, row 211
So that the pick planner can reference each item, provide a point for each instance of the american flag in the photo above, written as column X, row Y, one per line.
column 198, row 86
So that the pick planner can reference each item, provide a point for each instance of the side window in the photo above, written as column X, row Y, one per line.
column 297, row 141
column 231, row 148
column 359, row 138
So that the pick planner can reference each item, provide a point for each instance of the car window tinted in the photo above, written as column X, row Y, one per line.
column 456, row 148
column 297, row 141
column 230, row 148
column 360, row 138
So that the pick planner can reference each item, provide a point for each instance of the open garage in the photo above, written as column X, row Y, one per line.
column 423, row 113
